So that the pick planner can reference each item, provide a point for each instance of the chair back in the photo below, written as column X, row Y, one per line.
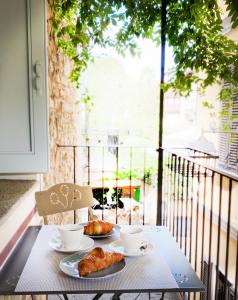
column 64, row 197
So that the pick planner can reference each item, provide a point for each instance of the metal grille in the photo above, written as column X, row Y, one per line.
column 224, row 288
column 206, row 279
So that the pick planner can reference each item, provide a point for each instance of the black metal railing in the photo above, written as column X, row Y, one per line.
column 123, row 179
column 200, row 209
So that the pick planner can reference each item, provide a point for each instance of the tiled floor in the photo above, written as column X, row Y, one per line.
column 142, row 296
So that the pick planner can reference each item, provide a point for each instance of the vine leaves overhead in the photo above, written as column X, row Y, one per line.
column 202, row 54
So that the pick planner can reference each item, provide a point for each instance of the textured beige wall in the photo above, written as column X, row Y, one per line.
column 63, row 116
column 62, row 110
column 233, row 34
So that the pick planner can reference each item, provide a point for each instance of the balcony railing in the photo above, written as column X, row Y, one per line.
column 200, row 208
column 123, row 179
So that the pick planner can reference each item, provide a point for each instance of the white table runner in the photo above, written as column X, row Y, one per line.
column 42, row 274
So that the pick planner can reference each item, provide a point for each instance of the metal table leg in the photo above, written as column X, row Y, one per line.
column 116, row 296
column 65, row 297
column 97, row 296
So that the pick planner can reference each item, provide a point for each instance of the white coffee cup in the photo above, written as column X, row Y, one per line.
column 132, row 238
column 71, row 235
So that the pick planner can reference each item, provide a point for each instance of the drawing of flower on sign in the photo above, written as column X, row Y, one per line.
column 64, row 190
column 77, row 196
column 65, row 196
column 55, row 200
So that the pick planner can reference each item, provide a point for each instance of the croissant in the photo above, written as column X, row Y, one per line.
column 96, row 260
column 97, row 228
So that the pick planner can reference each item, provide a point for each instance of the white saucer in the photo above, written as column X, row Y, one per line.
column 69, row 265
column 85, row 244
column 117, row 246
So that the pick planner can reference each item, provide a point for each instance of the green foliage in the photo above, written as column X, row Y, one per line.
column 208, row 105
column 81, row 24
column 232, row 6
column 146, row 174
column 193, row 31
column 86, row 99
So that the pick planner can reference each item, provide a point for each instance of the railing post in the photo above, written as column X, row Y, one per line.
column 161, row 113
column 117, row 170
column 74, row 154
column 160, row 188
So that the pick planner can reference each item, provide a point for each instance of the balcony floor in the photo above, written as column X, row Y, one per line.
column 134, row 296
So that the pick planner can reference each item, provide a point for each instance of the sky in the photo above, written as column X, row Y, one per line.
column 149, row 56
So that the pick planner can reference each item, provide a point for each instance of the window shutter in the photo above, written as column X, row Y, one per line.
column 228, row 150
column 233, row 146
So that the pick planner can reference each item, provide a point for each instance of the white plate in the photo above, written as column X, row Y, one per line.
column 69, row 265
column 117, row 246
column 115, row 230
column 85, row 244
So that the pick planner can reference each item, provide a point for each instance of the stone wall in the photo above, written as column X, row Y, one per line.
column 62, row 111
column 63, row 118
